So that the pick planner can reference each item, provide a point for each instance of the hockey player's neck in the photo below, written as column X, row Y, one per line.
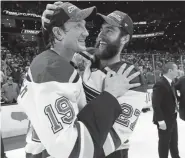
column 64, row 52
column 111, row 61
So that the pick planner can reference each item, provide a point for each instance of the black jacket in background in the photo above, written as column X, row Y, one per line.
column 180, row 85
column 163, row 101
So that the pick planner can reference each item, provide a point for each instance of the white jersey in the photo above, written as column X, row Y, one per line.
column 51, row 96
column 131, row 103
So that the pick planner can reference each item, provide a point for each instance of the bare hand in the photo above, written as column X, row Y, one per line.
column 119, row 84
column 50, row 8
column 162, row 125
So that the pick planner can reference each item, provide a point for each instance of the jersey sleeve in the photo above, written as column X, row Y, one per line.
column 50, row 101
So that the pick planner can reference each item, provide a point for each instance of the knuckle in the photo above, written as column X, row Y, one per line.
column 48, row 5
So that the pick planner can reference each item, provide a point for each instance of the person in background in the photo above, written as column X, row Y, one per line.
column 10, row 91
column 180, row 73
column 3, row 78
column 180, row 87
column 165, row 114
column 15, row 74
column 26, row 68
column 23, row 75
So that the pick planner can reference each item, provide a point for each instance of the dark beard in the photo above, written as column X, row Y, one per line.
column 110, row 50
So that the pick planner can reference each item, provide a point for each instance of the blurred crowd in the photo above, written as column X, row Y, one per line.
column 151, row 64
column 13, row 69
column 156, row 13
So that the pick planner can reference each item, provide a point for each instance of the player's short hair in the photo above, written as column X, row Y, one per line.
column 167, row 66
column 52, row 35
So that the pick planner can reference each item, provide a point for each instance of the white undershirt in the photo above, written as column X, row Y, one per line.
column 169, row 80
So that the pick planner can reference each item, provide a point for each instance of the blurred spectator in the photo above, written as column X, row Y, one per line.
column 26, row 68
column 180, row 74
column 10, row 91
column 3, row 78
column 16, row 75
column 157, row 73
column 150, row 77
column 22, row 78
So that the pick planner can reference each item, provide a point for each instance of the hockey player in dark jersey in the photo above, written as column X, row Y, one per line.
column 52, row 93
column 116, row 32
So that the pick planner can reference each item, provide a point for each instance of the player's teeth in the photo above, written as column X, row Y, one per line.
column 103, row 43
column 81, row 40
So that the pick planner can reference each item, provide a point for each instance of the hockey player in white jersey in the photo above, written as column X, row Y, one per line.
column 116, row 31
column 52, row 93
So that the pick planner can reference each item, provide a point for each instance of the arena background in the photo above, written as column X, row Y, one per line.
column 159, row 36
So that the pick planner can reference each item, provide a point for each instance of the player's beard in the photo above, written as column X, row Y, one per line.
column 110, row 50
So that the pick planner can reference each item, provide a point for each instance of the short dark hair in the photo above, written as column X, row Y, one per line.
column 167, row 66
column 49, row 37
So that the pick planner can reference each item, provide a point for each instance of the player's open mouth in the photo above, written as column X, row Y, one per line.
column 81, row 41
column 102, row 44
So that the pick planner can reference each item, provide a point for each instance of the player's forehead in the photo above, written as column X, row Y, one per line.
column 72, row 24
column 108, row 26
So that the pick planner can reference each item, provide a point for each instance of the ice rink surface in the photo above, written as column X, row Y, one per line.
column 143, row 142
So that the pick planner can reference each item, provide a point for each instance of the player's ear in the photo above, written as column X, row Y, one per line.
column 58, row 32
column 125, row 39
